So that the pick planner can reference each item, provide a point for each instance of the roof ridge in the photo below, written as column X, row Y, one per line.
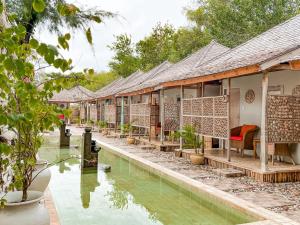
column 256, row 37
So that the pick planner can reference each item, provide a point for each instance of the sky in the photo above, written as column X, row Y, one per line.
column 135, row 17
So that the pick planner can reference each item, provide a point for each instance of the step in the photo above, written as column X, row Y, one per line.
column 229, row 172
column 147, row 147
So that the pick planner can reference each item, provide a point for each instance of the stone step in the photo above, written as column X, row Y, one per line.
column 112, row 136
column 229, row 172
column 147, row 147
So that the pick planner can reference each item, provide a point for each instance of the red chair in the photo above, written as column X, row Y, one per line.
column 242, row 137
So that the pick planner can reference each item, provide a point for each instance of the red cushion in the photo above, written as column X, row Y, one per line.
column 61, row 116
column 236, row 138
column 245, row 128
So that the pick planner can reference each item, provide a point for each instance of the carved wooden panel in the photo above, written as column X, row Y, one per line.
column 110, row 113
column 220, row 127
column 187, row 107
column 171, row 116
column 93, row 112
column 197, row 124
column 220, row 107
column 297, row 131
column 197, row 107
column 207, row 126
column 296, row 91
column 208, row 106
column 140, row 115
column 187, row 120
column 208, row 115
column 82, row 112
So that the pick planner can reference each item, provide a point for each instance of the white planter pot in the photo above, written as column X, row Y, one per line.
column 40, row 183
column 31, row 212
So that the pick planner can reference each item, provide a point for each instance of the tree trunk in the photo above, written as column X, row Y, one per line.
column 25, row 194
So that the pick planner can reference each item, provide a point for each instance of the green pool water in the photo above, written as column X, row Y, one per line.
column 128, row 195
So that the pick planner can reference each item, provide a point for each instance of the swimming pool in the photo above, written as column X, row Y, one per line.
column 128, row 195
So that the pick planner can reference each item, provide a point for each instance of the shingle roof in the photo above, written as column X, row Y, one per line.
column 183, row 67
column 145, row 77
column 272, row 43
column 109, row 88
column 75, row 94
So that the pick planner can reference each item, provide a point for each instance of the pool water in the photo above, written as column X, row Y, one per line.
column 128, row 195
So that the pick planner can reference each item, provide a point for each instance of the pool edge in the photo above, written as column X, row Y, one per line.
column 200, row 188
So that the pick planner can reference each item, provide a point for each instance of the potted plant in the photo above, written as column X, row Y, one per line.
column 174, row 136
column 103, row 127
column 25, row 111
column 127, row 129
column 192, row 141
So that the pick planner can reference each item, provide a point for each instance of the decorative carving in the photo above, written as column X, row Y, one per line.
column 140, row 114
column 220, row 127
column 220, row 107
column 208, row 126
column 208, row 115
column 187, row 107
column 172, row 111
column 250, row 96
column 208, row 106
column 197, row 107
column 110, row 113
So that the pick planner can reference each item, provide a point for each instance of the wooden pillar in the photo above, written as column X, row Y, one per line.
column 68, row 119
column 150, row 124
column 263, row 138
column 129, row 108
column 228, row 122
column 202, row 137
column 122, row 114
column 162, row 115
column 181, row 115
column 116, row 113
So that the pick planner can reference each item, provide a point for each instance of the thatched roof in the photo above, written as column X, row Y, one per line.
column 184, row 66
column 75, row 94
column 152, row 74
column 271, row 44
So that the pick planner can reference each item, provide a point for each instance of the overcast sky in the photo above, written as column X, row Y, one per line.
column 136, row 17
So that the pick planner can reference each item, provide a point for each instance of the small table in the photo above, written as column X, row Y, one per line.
column 281, row 149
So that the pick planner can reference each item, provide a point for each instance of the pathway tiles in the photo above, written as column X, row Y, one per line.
column 226, row 184
column 265, row 199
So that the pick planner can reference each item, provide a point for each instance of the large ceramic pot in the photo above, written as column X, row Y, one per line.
column 130, row 140
column 197, row 159
column 40, row 183
column 31, row 212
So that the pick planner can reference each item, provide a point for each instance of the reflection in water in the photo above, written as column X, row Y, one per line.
column 128, row 195
column 88, row 184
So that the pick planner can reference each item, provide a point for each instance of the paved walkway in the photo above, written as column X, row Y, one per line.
column 51, row 208
column 283, row 198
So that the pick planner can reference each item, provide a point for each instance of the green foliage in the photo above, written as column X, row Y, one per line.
column 94, row 81
column 127, row 128
column 102, row 124
column 55, row 15
column 157, row 47
column 125, row 62
column 190, row 138
column 234, row 22
column 25, row 109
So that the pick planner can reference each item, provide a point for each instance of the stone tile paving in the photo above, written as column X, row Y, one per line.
column 283, row 198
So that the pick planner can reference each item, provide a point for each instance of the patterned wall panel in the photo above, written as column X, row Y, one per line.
column 197, row 107
column 207, row 126
column 82, row 112
column 187, row 120
column 220, row 107
column 187, row 106
column 220, row 127
column 283, row 116
column 197, row 123
column 208, row 106
column 208, row 115
column 93, row 112
column 110, row 113
column 140, row 115
column 172, row 119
